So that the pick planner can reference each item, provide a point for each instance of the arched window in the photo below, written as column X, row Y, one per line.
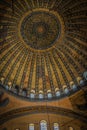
column 31, row 126
column 81, row 82
column 32, row 94
column 58, row 93
column 43, row 125
column 56, row 126
column 71, row 128
column 49, row 94
column 41, row 95
column 6, row 87
column 66, row 90
column 24, row 92
column 74, row 87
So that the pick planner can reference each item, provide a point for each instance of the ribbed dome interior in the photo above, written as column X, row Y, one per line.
column 38, row 53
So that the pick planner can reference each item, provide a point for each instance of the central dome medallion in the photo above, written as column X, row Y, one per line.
column 40, row 29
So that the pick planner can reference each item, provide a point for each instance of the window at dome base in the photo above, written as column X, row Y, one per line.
column 32, row 94
column 49, row 94
column 58, row 93
column 40, row 96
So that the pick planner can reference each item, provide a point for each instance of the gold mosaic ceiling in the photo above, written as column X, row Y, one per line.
column 43, row 43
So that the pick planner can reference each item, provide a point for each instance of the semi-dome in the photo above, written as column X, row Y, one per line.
column 43, row 47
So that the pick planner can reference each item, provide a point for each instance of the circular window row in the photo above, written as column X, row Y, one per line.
column 65, row 91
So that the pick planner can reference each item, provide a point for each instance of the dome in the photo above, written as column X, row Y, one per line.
column 42, row 46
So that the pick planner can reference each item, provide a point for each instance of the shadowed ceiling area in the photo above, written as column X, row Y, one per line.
column 43, row 47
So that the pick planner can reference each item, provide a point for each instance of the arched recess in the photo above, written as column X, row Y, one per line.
column 31, row 126
column 42, row 109
column 43, row 125
column 56, row 126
